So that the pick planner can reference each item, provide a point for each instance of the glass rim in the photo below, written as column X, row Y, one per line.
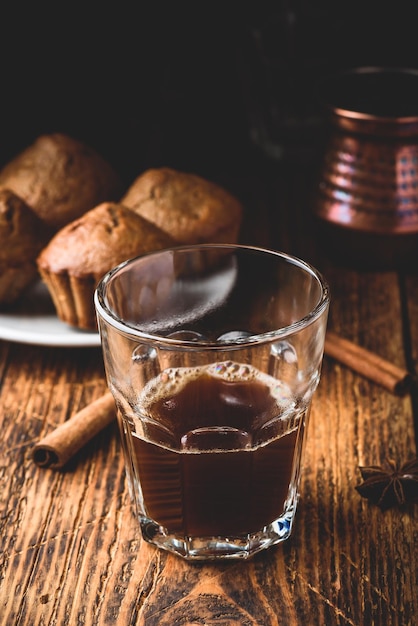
column 105, row 313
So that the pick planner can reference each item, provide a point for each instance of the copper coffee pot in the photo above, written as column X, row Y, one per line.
column 366, row 199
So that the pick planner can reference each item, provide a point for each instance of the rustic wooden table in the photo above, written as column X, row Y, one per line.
column 71, row 552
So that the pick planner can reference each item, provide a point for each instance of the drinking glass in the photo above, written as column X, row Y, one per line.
column 213, row 353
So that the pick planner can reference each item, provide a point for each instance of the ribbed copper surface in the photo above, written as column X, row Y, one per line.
column 369, row 178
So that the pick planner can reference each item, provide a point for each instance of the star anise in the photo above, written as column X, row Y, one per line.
column 390, row 487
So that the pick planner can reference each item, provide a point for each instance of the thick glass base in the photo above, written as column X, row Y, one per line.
column 214, row 548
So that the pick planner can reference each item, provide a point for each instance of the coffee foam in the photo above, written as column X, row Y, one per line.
column 172, row 380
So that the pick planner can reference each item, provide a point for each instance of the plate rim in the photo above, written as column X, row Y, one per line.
column 19, row 325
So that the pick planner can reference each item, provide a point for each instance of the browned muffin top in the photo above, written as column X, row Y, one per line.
column 99, row 240
column 187, row 206
column 22, row 233
column 60, row 178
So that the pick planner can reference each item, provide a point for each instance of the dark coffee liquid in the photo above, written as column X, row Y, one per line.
column 217, row 456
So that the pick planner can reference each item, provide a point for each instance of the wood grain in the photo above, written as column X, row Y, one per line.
column 70, row 549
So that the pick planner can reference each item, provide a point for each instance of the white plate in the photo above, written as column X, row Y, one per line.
column 33, row 320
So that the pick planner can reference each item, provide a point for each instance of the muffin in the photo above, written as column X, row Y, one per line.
column 191, row 209
column 60, row 178
column 22, row 236
column 79, row 254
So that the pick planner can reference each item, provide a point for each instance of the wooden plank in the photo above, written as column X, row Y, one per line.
column 71, row 552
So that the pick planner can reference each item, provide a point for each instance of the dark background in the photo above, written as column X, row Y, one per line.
column 166, row 85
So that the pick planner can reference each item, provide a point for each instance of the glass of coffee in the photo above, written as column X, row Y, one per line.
column 213, row 353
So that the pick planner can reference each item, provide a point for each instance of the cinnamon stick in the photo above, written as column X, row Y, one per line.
column 60, row 445
column 370, row 365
